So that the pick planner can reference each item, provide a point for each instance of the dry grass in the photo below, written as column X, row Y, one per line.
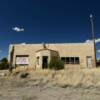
column 82, row 84
column 70, row 76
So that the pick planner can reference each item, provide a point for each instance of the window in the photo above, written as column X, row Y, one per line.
column 70, row 60
column 63, row 59
column 77, row 60
column 22, row 59
column 67, row 60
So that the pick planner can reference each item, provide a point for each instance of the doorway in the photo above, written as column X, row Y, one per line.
column 89, row 62
column 45, row 62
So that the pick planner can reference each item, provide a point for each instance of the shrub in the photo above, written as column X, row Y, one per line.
column 56, row 63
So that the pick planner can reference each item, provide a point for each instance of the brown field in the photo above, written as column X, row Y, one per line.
column 69, row 84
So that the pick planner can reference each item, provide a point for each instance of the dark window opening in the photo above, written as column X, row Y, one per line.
column 67, row 60
column 22, row 55
column 63, row 59
column 77, row 60
column 70, row 60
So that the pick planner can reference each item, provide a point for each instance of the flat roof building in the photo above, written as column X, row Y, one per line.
column 39, row 55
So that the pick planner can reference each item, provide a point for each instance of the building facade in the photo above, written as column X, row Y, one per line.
column 39, row 55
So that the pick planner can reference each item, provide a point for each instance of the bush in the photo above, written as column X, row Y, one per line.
column 56, row 63
column 24, row 75
column 4, row 64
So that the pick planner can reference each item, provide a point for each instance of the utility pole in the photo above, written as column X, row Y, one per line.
column 93, row 38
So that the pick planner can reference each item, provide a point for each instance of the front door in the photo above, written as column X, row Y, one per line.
column 89, row 62
column 45, row 62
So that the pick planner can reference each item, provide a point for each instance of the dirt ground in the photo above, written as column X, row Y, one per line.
column 30, row 89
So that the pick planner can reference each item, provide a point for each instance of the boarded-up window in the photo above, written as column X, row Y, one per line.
column 22, row 59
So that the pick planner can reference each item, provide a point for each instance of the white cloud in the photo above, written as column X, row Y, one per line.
column 23, row 43
column 98, row 51
column 17, row 29
column 97, row 40
column 90, row 41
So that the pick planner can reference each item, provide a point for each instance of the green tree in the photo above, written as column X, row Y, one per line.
column 56, row 63
column 4, row 64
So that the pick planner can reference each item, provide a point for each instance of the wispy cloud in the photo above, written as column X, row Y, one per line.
column 88, row 41
column 18, row 29
column 96, row 41
column 23, row 43
column 98, row 51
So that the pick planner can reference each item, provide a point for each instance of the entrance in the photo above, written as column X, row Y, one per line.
column 89, row 62
column 45, row 62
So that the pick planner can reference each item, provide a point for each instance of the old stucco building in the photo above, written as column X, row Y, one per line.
column 39, row 55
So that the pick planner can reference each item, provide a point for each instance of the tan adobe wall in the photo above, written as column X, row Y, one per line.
column 65, row 50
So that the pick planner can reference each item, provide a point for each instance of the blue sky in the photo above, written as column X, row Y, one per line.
column 38, row 21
